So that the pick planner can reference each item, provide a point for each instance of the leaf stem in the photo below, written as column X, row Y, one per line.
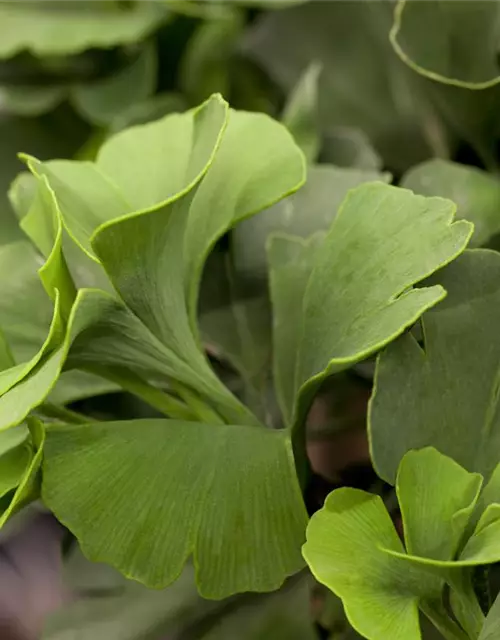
column 62, row 413
column 201, row 409
column 157, row 398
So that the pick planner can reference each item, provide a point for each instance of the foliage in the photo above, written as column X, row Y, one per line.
column 189, row 280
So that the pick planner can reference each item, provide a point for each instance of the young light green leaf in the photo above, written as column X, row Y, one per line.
column 178, row 474
column 437, row 497
column 47, row 31
column 311, row 209
column 434, row 393
column 358, row 296
column 15, row 455
column 346, row 549
column 301, row 114
column 176, row 237
column 475, row 192
column 432, row 37
column 28, row 487
column 44, row 222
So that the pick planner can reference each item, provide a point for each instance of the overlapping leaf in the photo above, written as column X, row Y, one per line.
column 444, row 392
column 354, row 549
column 450, row 52
column 311, row 209
column 355, row 287
column 68, row 28
column 475, row 192
column 350, row 40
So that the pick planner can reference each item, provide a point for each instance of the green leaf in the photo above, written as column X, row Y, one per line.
column 148, row 110
column 31, row 100
column 438, row 39
column 178, row 235
column 311, row 209
column 432, row 394
column 434, row 521
column 247, row 539
column 15, row 455
column 44, row 222
column 475, row 192
column 301, row 115
column 102, row 101
column 207, row 60
column 491, row 628
column 26, row 314
column 350, row 541
column 28, row 487
column 349, row 40
column 235, row 324
column 358, row 296
column 66, row 28
column 350, row 147
column 346, row 550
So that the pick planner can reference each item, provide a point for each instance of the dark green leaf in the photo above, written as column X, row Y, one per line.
column 311, row 209
column 439, row 39
column 475, row 192
column 101, row 102
column 301, row 114
column 432, row 394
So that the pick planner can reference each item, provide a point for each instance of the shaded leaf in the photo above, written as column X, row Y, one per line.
column 207, row 62
column 46, row 30
column 244, row 540
column 102, row 101
column 350, row 147
column 433, row 393
column 301, row 115
column 311, row 209
column 31, row 100
column 450, row 52
column 475, row 192
column 362, row 84
column 491, row 627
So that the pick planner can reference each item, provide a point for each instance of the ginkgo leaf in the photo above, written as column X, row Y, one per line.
column 70, row 29
column 358, row 296
column 353, row 548
column 235, row 324
column 28, row 486
column 346, row 549
column 450, row 29
column 475, row 192
column 179, row 473
column 433, row 393
column 350, row 41
column 311, row 209
column 101, row 102
column 434, row 521
column 301, row 113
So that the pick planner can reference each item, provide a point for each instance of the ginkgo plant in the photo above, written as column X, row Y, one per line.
column 124, row 242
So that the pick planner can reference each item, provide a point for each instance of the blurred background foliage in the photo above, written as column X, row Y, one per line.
column 371, row 90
